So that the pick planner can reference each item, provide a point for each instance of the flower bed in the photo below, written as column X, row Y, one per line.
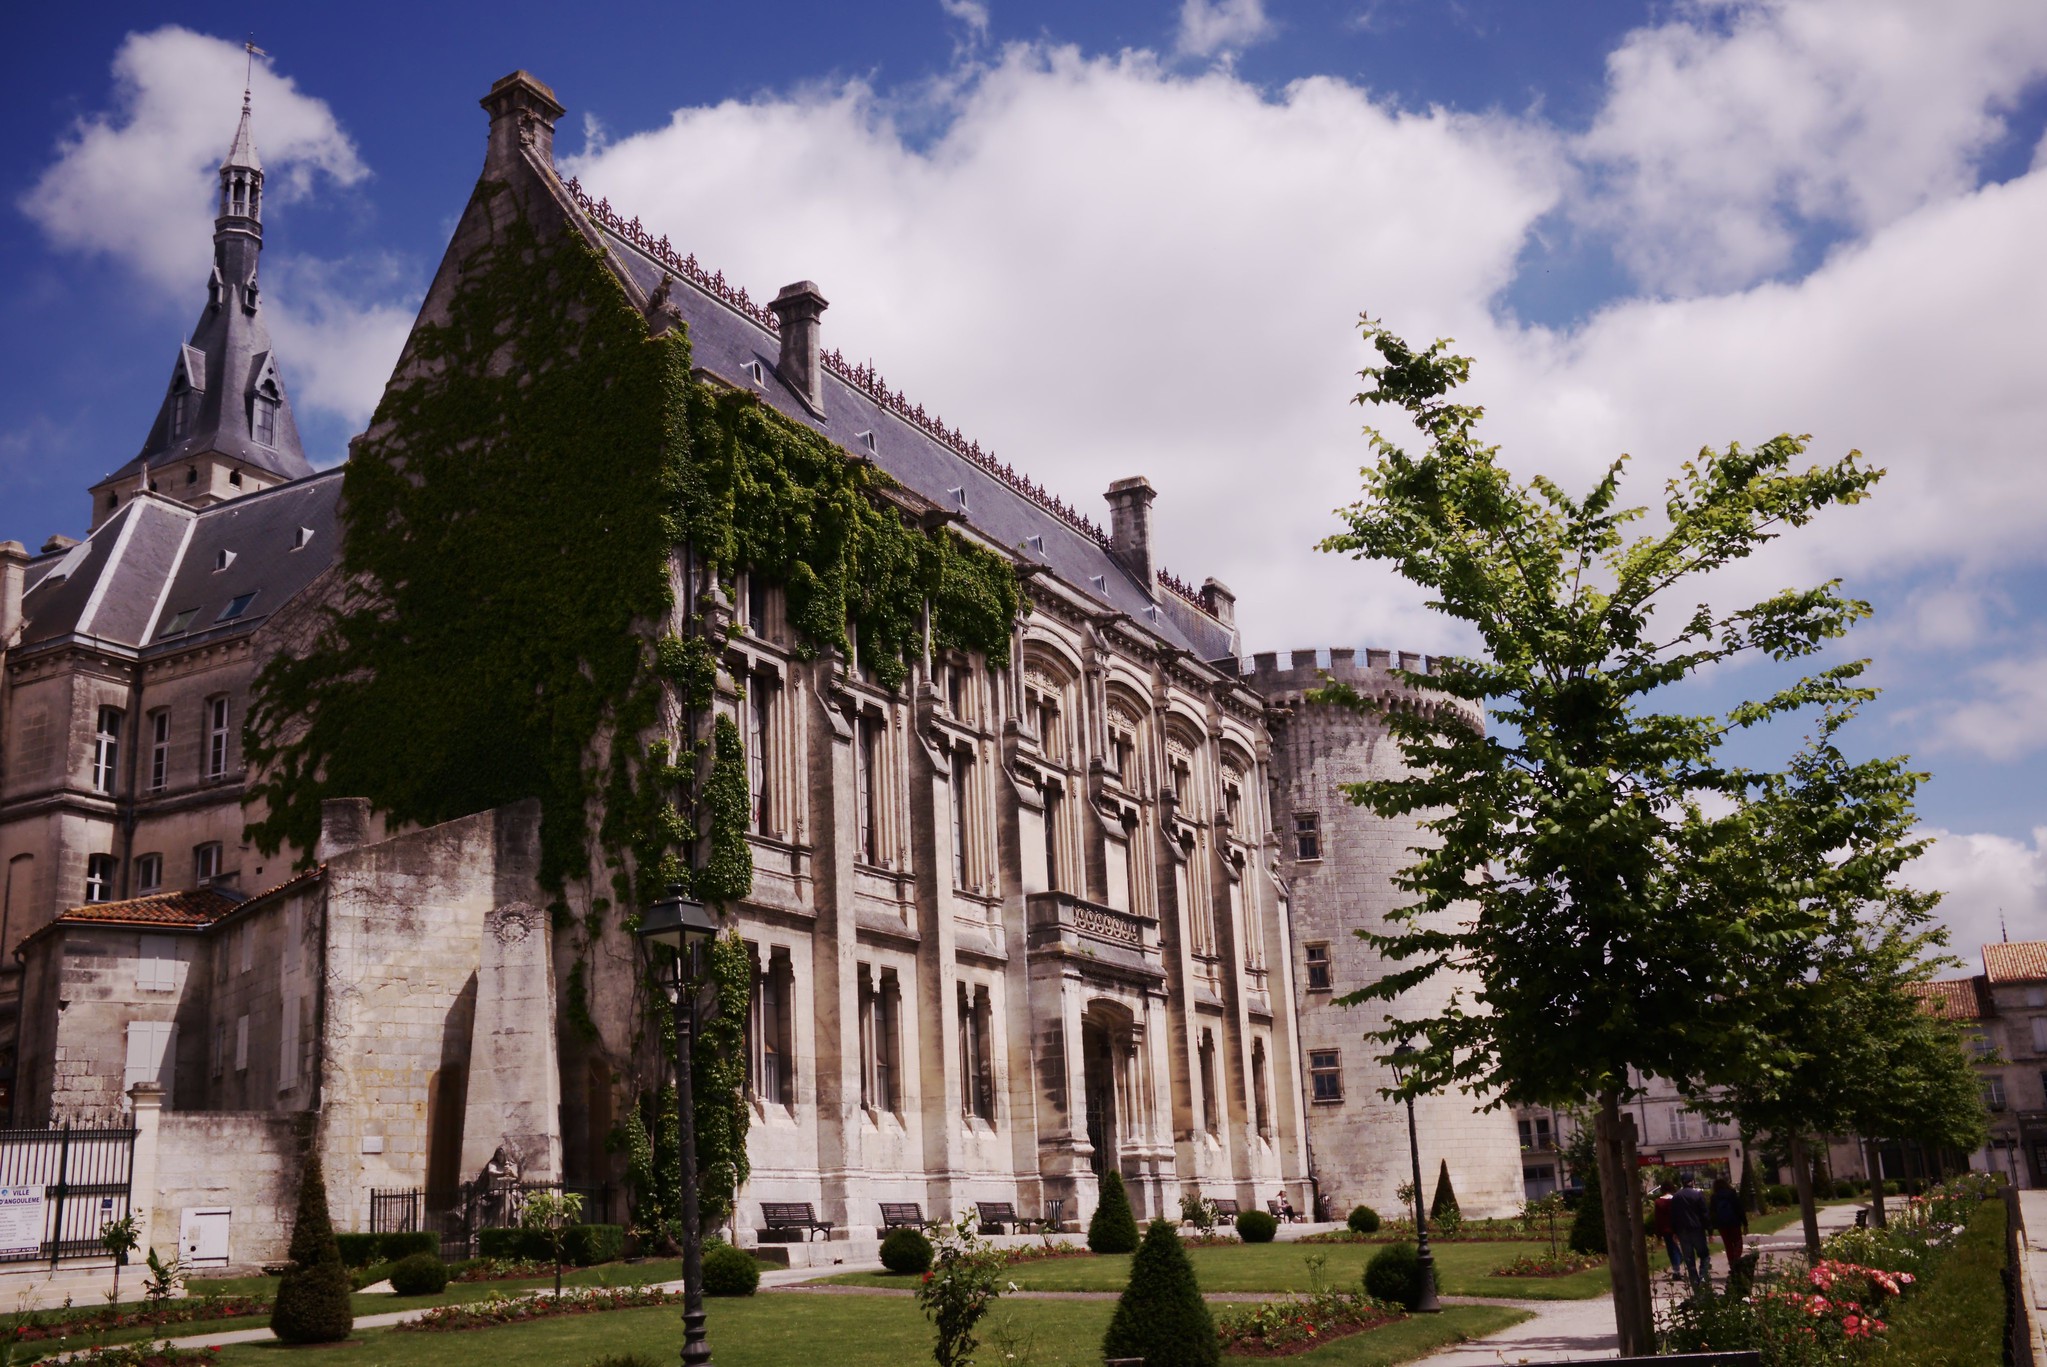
column 1034, row 1253
column 1209, row 1238
column 41, row 1326
column 1549, row 1265
column 497, row 1309
column 143, row 1355
column 1402, row 1232
column 498, row 1269
column 1295, row 1324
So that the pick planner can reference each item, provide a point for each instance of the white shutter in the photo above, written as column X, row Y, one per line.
column 2040, row 1034
column 288, row 1047
column 156, row 970
column 152, row 1056
column 241, row 1044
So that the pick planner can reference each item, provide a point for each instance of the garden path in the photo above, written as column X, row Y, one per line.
column 1559, row 1332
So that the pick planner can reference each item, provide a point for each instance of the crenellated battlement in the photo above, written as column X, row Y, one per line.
column 1285, row 678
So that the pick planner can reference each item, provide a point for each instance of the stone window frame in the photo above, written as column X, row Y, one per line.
column 975, row 1011
column 1211, row 1084
column 1261, row 1088
column 771, row 1027
column 1994, row 1096
column 881, row 1041
column 1310, row 963
column 148, row 873
column 106, row 749
column 159, row 749
column 206, row 862
column 1325, row 1066
column 100, row 872
column 219, row 711
column 1125, row 739
column 1307, row 837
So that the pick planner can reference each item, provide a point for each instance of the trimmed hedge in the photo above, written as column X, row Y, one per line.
column 419, row 1274
column 1113, row 1228
column 906, row 1252
column 1256, row 1227
column 367, row 1250
column 312, row 1304
column 1957, row 1313
column 1395, row 1274
column 1161, row 1316
column 1364, row 1220
column 730, row 1271
column 582, row 1245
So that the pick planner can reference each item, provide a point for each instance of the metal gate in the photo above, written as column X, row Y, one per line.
column 85, row 1176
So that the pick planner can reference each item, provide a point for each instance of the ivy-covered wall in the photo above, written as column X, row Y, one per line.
column 506, row 623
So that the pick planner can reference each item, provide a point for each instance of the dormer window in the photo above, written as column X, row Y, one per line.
column 181, row 418
column 263, row 421
column 866, row 439
column 222, row 559
column 301, row 537
column 236, row 606
column 191, row 474
column 113, row 502
column 234, row 477
column 755, row 372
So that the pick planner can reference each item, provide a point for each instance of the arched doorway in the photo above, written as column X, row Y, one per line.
column 1099, row 1065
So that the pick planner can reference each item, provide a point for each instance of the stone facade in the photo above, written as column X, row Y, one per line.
column 1338, row 863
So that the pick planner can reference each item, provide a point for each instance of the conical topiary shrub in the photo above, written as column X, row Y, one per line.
column 1446, row 1196
column 312, row 1299
column 1114, row 1228
column 1161, row 1317
column 1588, row 1226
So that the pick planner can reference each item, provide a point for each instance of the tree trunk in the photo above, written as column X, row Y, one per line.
column 1875, row 1164
column 1751, row 1186
column 1627, row 1253
column 1801, row 1175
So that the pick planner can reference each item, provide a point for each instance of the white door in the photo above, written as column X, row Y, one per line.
column 152, row 1057
column 202, row 1236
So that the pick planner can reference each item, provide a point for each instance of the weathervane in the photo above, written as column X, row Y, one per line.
column 249, row 71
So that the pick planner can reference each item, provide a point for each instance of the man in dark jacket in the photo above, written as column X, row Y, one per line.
column 1689, row 1219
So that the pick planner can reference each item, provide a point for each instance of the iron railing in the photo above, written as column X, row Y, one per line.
column 458, row 1219
column 85, row 1175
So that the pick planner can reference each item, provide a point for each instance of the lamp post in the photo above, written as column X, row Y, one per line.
column 1428, row 1304
column 684, row 925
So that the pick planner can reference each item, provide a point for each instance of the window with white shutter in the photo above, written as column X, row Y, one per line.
column 152, row 1056
column 241, row 1044
column 156, row 968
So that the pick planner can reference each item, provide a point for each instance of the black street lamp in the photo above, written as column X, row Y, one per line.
column 683, row 925
column 1428, row 1304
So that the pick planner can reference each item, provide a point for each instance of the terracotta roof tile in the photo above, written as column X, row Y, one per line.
column 2022, row 961
column 189, row 907
column 1961, row 999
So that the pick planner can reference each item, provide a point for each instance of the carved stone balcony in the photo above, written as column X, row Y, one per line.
column 1121, row 943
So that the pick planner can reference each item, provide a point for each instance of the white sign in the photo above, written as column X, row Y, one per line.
column 23, row 1217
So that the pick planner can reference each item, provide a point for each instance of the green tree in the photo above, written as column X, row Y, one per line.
column 1161, row 1316
column 1588, row 1223
column 1113, row 1229
column 552, row 1212
column 1563, row 869
column 312, row 1303
column 1444, row 1203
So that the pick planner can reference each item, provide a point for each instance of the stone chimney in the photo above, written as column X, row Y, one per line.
column 13, row 579
column 1130, row 528
column 522, row 113
column 344, row 826
column 1219, row 602
column 799, row 307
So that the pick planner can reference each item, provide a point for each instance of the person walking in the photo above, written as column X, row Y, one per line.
column 1689, row 1217
column 1665, row 1194
column 1730, row 1217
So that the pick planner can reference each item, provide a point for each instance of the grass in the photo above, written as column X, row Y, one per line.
column 1461, row 1270
column 779, row 1329
column 606, row 1274
column 1957, row 1317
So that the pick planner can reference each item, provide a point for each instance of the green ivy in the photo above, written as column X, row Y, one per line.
column 718, row 1069
column 509, row 522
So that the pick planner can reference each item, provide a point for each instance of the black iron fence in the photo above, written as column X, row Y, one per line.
column 74, row 1182
column 459, row 1215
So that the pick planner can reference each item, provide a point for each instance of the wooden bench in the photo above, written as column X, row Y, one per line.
column 786, row 1217
column 1225, row 1210
column 1280, row 1213
column 995, row 1214
column 901, row 1215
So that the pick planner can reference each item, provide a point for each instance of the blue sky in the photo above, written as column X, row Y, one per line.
column 1135, row 238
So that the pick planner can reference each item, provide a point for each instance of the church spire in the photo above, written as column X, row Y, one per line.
column 238, row 230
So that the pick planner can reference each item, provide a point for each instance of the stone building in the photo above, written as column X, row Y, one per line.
column 1011, row 927
column 2004, row 1009
column 1337, row 862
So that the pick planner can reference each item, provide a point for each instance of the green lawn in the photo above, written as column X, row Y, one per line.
column 788, row 1329
column 608, row 1274
column 1461, row 1270
column 1786, row 1217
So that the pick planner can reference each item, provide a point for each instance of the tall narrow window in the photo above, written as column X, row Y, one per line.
column 99, row 878
column 756, row 603
column 1318, row 966
column 181, row 414
column 956, row 691
column 1233, row 803
column 148, row 873
column 265, row 423
column 771, row 1056
column 1258, row 1097
column 962, row 769
column 1122, row 757
column 216, row 737
column 759, row 715
column 1181, row 775
column 106, row 750
column 977, row 1059
column 1210, row 1101
column 1053, row 794
column 870, row 1081
column 159, row 749
column 867, row 786
column 888, row 1006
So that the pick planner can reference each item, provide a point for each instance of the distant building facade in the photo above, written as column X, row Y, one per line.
column 1012, row 928
column 2004, row 1009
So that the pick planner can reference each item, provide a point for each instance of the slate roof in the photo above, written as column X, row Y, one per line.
column 2021, row 961
column 724, row 341
column 1959, row 999
column 150, row 577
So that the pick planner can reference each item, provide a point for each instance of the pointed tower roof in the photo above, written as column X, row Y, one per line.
column 242, row 152
column 226, row 390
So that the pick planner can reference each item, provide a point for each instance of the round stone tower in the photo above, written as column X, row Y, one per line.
column 1337, row 862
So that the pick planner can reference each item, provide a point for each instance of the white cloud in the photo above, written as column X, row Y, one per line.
column 1208, row 27
column 1985, row 878
column 972, row 13
column 2005, row 719
column 137, row 184
column 1737, row 124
